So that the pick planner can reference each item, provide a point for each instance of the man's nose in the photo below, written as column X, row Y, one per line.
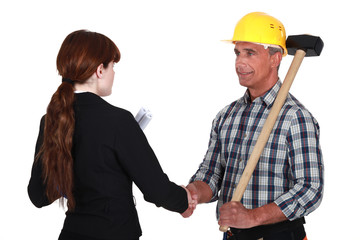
column 240, row 61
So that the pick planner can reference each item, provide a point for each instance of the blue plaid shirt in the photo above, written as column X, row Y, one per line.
column 290, row 169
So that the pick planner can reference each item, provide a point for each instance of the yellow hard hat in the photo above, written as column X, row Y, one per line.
column 259, row 27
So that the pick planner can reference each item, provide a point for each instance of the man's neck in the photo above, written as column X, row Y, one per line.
column 258, row 92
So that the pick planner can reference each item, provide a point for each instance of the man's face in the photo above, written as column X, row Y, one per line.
column 253, row 65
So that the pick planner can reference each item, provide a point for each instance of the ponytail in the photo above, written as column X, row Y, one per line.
column 56, row 151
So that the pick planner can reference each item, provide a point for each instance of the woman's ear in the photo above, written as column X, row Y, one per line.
column 99, row 71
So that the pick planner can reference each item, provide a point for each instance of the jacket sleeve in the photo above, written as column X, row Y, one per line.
column 137, row 157
column 36, row 187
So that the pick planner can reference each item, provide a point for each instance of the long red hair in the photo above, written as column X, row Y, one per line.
column 78, row 58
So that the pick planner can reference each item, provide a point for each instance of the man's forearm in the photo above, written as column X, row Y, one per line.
column 268, row 214
column 202, row 190
column 234, row 214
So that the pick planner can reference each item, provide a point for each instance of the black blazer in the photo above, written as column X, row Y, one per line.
column 110, row 152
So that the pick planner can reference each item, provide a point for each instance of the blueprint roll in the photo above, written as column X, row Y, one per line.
column 143, row 117
column 140, row 114
column 144, row 121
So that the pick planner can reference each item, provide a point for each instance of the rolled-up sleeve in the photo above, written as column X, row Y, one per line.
column 210, row 170
column 306, row 167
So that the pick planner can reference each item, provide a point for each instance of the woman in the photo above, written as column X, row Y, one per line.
column 90, row 152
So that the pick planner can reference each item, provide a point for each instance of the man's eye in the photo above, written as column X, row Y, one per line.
column 250, row 53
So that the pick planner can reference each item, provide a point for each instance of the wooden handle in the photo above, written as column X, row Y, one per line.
column 267, row 128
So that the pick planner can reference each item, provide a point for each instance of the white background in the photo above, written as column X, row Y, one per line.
column 174, row 63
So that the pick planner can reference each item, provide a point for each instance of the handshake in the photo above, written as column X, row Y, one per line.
column 197, row 192
column 233, row 213
column 192, row 200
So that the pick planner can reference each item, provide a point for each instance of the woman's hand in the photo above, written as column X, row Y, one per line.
column 192, row 201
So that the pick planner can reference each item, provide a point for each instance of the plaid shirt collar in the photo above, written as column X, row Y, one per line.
column 268, row 98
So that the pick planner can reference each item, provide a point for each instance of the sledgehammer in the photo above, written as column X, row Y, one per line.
column 300, row 46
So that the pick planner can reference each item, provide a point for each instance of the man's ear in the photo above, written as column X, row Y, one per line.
column 99, row 71
column 276, row 59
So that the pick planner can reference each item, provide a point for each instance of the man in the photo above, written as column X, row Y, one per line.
column 287, row 183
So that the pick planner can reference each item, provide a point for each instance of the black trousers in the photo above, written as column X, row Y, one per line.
column 287, row 230
column 65, row 235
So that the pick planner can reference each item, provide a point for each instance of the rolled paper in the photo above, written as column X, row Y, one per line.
column 140, row 114
column 145, row 120
column 143, row 117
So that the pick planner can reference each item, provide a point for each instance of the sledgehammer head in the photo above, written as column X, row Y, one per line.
column 312, row 45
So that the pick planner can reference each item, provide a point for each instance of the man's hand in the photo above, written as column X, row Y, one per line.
column 200, row 191
column 193, row 192
column 234, row 214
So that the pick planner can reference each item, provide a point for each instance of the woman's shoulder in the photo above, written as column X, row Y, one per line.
column 121, row 113
column 91, row 102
